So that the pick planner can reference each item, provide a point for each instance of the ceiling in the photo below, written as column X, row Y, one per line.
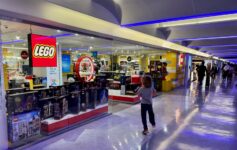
column 205, row 33
column 14, row 37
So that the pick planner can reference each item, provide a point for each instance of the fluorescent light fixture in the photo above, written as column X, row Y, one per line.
column 75, row 49
column 189, row 20
column 196, row 21
column 204, row 38
column 62, row 35
column 215, row 57
column 220, row 50
column 12, row 42
column 20, row 48
column 212, row 46
column 18, row 37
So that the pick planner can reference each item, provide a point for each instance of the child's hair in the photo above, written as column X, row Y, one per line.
column 147, row 81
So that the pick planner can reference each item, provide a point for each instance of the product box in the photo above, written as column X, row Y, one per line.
column 21, row 102
column 23, row 126
column 60, row 107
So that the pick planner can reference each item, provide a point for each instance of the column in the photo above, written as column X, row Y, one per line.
column 3, row 119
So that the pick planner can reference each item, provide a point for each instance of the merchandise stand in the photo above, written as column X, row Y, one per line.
column 114, row 95
column 51, row 125
column 125, row 99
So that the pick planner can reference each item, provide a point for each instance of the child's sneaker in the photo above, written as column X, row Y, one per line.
column 145, row 132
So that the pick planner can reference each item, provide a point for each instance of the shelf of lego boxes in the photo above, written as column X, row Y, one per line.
column 50, row 125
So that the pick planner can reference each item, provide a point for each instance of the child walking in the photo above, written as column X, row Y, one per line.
column 146, row 93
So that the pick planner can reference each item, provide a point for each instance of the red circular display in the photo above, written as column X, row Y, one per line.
column 85, row 68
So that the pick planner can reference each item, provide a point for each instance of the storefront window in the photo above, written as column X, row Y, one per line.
column 56, row 79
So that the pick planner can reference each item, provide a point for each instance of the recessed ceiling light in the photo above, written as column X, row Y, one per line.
column 70, row 49
column 58, row 31
column 92, row 37
column 76, row 34
column 90, row 47
column 18, row 37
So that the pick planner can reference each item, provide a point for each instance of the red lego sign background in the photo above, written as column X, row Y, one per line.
column 42, row 51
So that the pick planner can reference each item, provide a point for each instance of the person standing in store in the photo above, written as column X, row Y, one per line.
column 201, row 72
column 146, row 93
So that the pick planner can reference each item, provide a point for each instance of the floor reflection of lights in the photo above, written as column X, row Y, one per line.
column 183, row 146
column 212, row 131
column 219, row 118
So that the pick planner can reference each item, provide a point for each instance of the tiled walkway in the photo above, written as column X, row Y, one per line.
column 187, row 119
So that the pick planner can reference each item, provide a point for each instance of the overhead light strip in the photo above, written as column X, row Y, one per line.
column 165, row 22
column 204, row 38
column 213, row 46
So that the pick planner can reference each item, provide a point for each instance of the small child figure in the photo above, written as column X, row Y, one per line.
column 146, row 93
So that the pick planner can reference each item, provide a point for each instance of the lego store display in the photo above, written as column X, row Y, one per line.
column 28, row 110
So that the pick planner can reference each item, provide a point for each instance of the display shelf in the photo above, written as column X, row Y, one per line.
column 51, row 125
column 114, row 95
column 31, row 92
column 39, row 86
column 62, row 96
column 48, row 98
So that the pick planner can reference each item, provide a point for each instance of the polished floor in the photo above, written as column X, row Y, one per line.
column 194, row 118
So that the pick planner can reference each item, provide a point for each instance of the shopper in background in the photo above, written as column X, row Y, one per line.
column 146, row 93
column 201, row 72
column 230, row 73
column 208, row 74
column 214, row 72
column 164, row 70
column 225, row 71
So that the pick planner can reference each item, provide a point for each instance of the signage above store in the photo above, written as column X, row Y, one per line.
column 24, row 55
column 85, row 68
column 43, row 52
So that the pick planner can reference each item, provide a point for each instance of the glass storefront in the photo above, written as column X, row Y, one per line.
column 55, row 80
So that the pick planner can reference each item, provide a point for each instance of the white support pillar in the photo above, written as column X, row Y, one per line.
column 3, row 119
column 59, row 61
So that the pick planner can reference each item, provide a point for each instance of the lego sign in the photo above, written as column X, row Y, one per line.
column 43, row 52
